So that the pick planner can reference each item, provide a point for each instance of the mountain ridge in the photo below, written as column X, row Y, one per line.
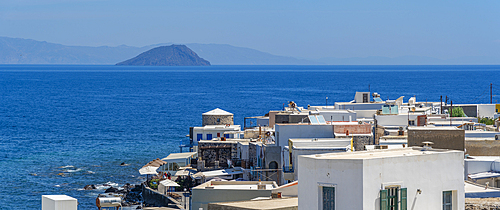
column 29, row 51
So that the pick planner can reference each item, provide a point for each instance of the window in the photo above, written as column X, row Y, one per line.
column 209, row 136
column 447, row 205
column 226, row 135
column 328, row 198
column 393, row 198
column 411, row 122
column 218, row 119
column 365, row 97
column 199, row 137
column 218, row 134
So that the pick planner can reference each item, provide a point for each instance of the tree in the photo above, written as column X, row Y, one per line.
column 458, row 112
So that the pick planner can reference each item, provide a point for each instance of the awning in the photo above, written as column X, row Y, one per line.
column 169, row 183
column 148, row 170
column 185, row 172
column 179, row 157
column 155, row 163
column 223, row 172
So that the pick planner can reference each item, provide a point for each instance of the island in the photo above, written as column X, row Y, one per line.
column 173, row 55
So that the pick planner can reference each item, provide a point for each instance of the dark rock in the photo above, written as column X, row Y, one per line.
column 111, row 190
column 89, row 187
column 173, row 55
column 137, row 188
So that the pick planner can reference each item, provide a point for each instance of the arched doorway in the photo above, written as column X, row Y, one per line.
column 273, row 165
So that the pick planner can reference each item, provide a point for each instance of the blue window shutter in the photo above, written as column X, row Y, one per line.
column 384, row 202
column 404, row 200
column 209, row 136
column 199, row 137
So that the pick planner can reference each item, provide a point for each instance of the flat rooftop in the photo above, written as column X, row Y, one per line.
column 216, row 127
column 444, row 128
column 236, row 185
column 278, row 203
column 383, row 153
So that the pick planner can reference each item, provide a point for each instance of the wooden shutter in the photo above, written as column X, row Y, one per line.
column 404, row 200
column 384, row 202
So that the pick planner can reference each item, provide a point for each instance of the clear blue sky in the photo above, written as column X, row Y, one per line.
column 306, row 29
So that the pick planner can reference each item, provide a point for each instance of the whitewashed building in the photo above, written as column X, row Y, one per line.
column 226, row 191
column 208, row 132
column 408, row 178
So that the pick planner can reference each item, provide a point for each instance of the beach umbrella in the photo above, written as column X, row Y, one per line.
column 169, row 183
column 148, row 170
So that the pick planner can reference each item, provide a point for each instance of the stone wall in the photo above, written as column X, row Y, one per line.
column 252, row 154
column 209, row 152
column 217, row 120
column 442, row 138
column 359, row 141
column 482, row 147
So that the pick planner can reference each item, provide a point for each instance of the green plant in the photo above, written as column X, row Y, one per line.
column 153, row 183
column 458, row 112
column 487, row 121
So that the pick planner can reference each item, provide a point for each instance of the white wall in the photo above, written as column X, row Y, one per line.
column 473, row 166
column 362, row 179
column 205, row 131
column 368, row 114
column 486, row 110
column 347, row 175
column 59, row 202
column 338, row 115
column 243, row 151
column 432, row 174
column 395, row 120
column 263, row 121
column 297, row 152
column 359, row 106
column 288, row 131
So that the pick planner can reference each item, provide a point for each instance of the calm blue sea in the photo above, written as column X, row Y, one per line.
column 83, row 121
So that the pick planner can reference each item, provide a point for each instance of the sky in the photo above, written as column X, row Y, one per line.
column 304, row 29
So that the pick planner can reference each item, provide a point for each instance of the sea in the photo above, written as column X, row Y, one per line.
column 66, row 126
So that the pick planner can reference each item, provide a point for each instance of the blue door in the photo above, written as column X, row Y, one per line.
column 199, row 137
column 209, row 136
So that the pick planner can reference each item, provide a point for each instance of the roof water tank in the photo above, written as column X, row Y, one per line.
column 108, row 202
column 495, row 166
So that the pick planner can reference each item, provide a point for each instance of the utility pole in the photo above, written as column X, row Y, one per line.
column 446, row 101
column 491, row 93
column 451, row 110
column 441, row 98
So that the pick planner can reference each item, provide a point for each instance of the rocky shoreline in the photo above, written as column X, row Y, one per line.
column 131, row 195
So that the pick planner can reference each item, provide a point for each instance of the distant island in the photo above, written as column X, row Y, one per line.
column 173, row 55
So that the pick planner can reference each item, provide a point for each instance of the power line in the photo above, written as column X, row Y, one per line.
column 475, row 99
